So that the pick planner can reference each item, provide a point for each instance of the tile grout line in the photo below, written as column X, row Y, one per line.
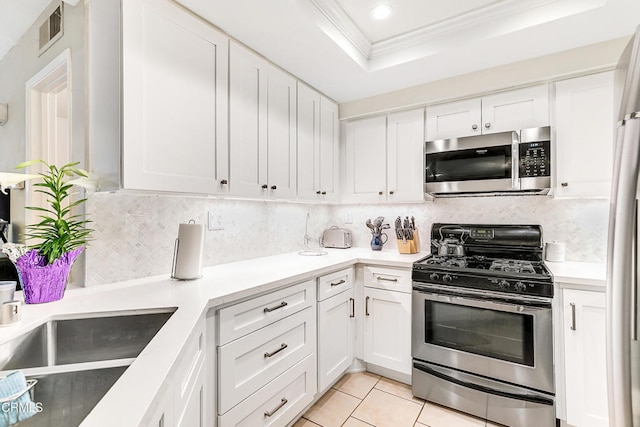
column 362, row 400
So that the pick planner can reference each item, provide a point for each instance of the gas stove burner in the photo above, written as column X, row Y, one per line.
column 458, row 262
column 512, row 266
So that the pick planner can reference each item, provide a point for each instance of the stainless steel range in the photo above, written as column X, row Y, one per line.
column 482, row 335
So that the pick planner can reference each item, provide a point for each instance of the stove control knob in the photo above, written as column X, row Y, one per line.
column 446, row 278
column 434, row 276
column 503, row 284
column 520, row 287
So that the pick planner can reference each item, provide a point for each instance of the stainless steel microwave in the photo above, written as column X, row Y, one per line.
column 516, row 162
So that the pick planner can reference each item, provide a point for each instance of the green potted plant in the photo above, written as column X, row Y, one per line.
column 59, row 237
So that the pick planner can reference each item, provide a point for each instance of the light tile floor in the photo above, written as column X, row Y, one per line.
column 364, row 399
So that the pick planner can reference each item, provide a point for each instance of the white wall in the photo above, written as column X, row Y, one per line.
column 16, row 68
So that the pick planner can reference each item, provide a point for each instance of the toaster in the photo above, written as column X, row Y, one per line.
column 335, row 237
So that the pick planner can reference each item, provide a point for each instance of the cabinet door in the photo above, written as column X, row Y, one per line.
column 585, row 358
column 194, row 410
column 405, row 142
column 518, row 109
column 247, row 122
column 281, row 134
column 308, row 143
column 174, row 80
column 329, row 148
column 585, row 126
column 454, row 119
column 162, row 415
column 366, row 162
column 335, row 338
column 387, row 329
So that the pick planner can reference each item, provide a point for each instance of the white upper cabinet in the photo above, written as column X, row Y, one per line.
column 454, row 119
column 506, row 111
column 174, row 107
column 518, row 109
column 585, row 128
column 318, row 145
column 366, row 162
column 262, row 130
column 384, row 158
column 405, row 142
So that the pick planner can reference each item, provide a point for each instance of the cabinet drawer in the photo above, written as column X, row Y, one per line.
column 246, row 317
column 334, row 283
column 392, row 279
column 250, row 362
column 279, row 402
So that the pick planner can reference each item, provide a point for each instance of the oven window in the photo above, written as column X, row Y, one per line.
column 466, row 165
column 495, row 334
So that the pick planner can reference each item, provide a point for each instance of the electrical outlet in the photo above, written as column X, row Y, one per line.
column 215, row 221
column 348, row 218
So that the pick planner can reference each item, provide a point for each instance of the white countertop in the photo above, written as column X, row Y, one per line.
column 219, row 285
column 131, row 396
column 579, row 274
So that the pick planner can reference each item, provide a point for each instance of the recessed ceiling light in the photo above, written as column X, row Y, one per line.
column 381, row 12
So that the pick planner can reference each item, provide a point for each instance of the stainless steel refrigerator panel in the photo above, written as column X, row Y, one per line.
column 620, row 274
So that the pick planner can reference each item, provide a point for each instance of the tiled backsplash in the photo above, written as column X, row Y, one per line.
column 135, row 234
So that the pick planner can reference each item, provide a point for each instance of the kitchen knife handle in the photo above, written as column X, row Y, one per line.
column 366, row 306
column 573, row 316
column 353, row 307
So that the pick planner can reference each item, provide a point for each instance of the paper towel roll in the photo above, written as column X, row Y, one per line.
column 187, row 257
column 554, row 251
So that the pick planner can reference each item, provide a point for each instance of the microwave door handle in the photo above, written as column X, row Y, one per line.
column 515, row 160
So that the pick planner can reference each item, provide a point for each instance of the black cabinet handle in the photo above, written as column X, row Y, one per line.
column 265, row 186
column 273, row 187
column 224, row 182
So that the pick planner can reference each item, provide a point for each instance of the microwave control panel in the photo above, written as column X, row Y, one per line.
column 535, row 159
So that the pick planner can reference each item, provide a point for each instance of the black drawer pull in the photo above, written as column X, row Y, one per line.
column 338, row 283
column 276, row 409
column 270, row 309
column 273, row 353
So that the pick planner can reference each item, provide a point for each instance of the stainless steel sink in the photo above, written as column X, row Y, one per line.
column 85, row 339
column 77, row 360
column 68, row 397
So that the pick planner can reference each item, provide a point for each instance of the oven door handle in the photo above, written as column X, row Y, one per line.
column 518, row 306
column 523, row 397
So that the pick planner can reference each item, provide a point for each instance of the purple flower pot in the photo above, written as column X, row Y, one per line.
column 42, row 282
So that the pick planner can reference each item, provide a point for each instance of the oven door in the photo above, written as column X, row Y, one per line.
column 476, row 332
column 487, row 163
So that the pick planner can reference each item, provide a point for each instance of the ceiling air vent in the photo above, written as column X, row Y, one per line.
column 51, row 29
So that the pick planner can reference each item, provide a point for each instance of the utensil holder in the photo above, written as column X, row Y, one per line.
column 410, row 246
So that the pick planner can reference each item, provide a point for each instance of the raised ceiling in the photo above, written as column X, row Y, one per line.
column 333, row 46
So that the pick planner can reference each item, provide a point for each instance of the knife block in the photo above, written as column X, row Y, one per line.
column 410, row 246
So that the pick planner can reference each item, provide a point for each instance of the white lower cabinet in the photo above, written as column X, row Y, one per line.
column 387, row 319
column 267, row 363
column 183, row 402
column 336, row 326
column 279, row 402
column 255, row 359
column 585, row 358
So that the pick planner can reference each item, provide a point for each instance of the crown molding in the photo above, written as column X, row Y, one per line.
column 494, row 20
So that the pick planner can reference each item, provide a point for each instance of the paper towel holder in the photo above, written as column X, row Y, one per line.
column 176, row 248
